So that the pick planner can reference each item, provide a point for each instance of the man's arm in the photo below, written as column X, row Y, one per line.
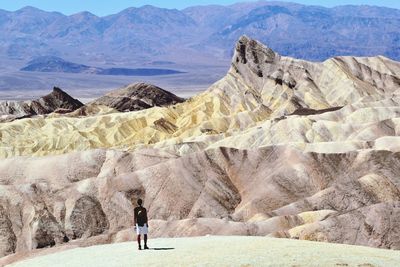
column 134, row 217
column 146, row 218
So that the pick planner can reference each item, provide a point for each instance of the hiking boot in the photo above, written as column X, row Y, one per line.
column 146, row 247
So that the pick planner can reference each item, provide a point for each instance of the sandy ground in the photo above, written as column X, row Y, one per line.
column 220, row 251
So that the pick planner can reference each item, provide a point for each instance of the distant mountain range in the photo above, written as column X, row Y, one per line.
column 56, row 64
column 200, row 34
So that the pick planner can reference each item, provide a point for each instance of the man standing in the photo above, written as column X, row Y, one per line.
column 141, row 225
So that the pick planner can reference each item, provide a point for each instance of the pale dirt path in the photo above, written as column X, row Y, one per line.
column 220, row 251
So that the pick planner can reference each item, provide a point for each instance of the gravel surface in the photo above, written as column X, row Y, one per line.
column 220, row 251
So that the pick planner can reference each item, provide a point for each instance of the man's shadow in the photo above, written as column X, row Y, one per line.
column 161, row 248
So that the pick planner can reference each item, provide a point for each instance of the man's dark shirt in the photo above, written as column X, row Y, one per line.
column 141, row 216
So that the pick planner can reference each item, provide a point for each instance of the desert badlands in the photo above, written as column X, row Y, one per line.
column 278, row 148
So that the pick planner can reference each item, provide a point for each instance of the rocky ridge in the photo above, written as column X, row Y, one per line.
column 57, row 101
column 137, row 96
column 279, row 147
column 59, row 104
column 261, row 88
column 203, row 34
column 276, row 191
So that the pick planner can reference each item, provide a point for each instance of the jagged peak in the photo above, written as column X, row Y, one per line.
column 137, row 96
column 62, row 98
column 142, row 89
column 251, row 55
column 58, row 90
column 248, row 49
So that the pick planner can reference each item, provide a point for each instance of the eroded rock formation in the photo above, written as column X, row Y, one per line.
column 57, row 101
column 137, row 97
column 280, row 191
column 279, row 147
column 366, row 90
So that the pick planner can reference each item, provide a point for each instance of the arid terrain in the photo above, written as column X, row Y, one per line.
column 197, row 40
column 221, row 251
column 279, row 147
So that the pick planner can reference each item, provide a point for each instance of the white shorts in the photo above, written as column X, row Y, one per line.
column 141, row 230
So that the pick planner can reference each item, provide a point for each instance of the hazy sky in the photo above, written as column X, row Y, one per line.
column 105, row 7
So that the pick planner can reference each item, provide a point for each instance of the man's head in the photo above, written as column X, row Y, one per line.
column 140, row 202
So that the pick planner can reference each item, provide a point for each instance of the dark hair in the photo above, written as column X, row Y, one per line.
column 140, row 202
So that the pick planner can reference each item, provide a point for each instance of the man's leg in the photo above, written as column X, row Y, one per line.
column 145, row 242
column 138, row 240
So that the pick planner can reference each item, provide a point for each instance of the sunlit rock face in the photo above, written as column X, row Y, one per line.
column 57, row 101
column 137, row 96
column 281, row 191
column 278, row 147
column 262, row 89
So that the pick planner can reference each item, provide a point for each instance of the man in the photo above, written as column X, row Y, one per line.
column 141, row 225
